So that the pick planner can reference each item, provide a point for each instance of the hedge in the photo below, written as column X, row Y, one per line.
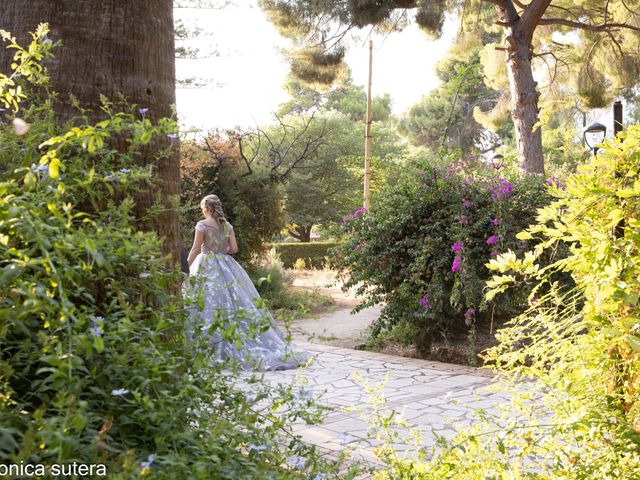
column 313, row 253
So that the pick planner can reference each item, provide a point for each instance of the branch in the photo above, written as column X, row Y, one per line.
column 531, row 16
column 509, row 11
column 584, row 26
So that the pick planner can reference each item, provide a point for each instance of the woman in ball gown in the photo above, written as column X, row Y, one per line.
column 225, row 307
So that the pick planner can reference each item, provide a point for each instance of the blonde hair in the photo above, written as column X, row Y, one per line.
column 214, row 205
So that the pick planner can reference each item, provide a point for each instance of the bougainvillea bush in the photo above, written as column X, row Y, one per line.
column 421, row 249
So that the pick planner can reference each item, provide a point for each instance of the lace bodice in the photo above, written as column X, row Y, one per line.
column 216, row 240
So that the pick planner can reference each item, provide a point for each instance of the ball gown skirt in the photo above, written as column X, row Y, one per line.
column 227, row 315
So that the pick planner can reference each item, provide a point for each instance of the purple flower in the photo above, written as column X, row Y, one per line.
column 493, row 239
column 534, row 300
column 359, row 246
column 467, row 203
column 354, row 215
column 457, row 247
column 495, row 253
column 462, row 219
column 455, row 267
column 502, row 190
column 496, row 221
column 468, row 316
column 425, row 301
column 421, row 173
column 143, row 112
column 555, row 182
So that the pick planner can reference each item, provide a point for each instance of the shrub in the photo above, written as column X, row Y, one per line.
column 93, row 364
column 314, row 254
column 421, row 250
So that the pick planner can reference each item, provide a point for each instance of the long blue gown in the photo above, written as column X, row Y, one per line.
column 225, row 310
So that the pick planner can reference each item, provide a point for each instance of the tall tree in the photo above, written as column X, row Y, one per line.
column 607, row 29
column 113, row 48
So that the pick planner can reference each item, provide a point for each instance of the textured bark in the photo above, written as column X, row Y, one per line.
column 524, row 96
column 111, row 47
column 524, row 103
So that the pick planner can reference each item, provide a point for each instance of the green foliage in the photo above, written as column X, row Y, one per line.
column 401, row 253
column 274, row 285
column 314, row 254
column 444, row 119
column 93, row 364
column 251, row 199
column 573, row 358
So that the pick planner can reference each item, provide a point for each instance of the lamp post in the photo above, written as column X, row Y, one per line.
column 593, row 135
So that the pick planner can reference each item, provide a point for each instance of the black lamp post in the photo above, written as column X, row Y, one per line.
column 594, row 134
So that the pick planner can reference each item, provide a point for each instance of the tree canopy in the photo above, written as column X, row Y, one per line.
column 598, row 41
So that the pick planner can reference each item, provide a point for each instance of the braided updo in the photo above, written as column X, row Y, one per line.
column 213, row 204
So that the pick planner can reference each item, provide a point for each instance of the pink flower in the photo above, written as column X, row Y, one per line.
column 455, row 267
column 492, row 240
column 457, row 247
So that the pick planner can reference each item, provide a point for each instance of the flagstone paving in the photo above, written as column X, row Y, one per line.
column 432, row 397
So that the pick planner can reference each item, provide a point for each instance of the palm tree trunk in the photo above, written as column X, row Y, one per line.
column 112, row 47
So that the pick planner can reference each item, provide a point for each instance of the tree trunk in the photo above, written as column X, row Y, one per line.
column 524, row 101
column 111, row 47
column 302, row 233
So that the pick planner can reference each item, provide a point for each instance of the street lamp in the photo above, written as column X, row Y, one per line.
column 596, row 132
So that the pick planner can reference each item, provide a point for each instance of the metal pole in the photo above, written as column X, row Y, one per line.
column 367, row 138
column 617, row 117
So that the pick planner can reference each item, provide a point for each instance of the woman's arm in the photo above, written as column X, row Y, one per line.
column 197, row 245
column 233, row 245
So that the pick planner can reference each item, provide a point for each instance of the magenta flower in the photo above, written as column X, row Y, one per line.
column 492, row 240
column 457, row 247
column 425, row 301
column 455, row 266
column 462, row 219
column 348, row 218
column 467, row 203
column 496, row 221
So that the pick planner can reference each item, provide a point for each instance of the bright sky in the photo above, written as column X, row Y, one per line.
column 251, row 69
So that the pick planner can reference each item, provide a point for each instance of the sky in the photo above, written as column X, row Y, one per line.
column 250, row 70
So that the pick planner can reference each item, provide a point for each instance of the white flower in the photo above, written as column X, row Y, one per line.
column 144, row 275
column 297, row 462
column 143, row 111
column 96, row 331
column 20, row 127
column 172, row 136
column 258, row 448
column 119, row 392
column 149, row 461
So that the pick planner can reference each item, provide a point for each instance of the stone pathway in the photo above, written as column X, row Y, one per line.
column 432, row 397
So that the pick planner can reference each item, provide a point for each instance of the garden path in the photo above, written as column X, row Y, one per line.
column 433, row 398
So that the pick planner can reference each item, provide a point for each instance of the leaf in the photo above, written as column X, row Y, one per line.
column 54, row 167
column 633, row 342
column 9, row 274
column 524, row 236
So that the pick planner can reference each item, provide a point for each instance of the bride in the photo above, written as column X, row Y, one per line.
column 225, row 306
